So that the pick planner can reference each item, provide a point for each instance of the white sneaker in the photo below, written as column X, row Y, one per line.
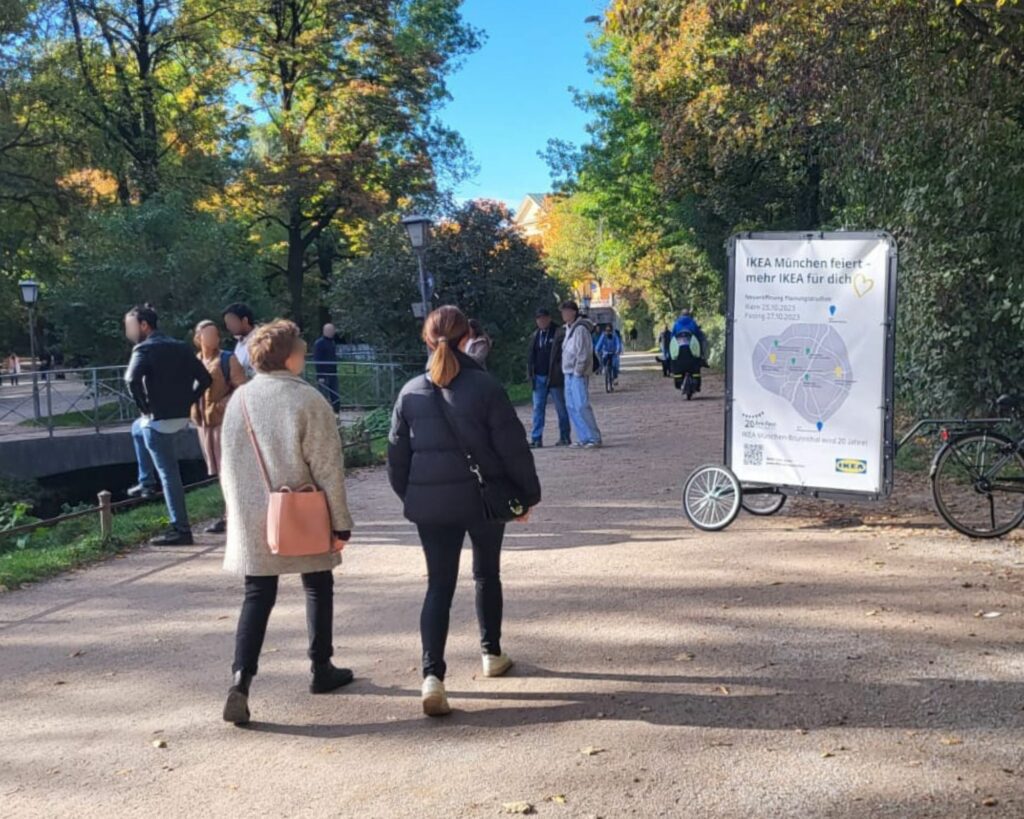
column 496, row 665
column 435, row 700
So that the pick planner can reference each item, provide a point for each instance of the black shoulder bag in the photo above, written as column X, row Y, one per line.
column 500, row 499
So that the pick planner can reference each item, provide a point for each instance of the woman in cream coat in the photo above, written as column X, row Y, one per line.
column 298, row 437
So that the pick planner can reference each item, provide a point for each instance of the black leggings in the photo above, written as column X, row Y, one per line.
column 442, row 546
column 260, row 596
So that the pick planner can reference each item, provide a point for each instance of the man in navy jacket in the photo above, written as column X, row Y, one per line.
column 325, row 354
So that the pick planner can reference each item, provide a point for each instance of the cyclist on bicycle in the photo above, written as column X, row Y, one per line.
column 688, row 351
column 609, row 349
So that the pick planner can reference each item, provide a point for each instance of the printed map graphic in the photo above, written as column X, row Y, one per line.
column 808, row 365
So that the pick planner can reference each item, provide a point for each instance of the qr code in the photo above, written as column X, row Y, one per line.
column 753, row 454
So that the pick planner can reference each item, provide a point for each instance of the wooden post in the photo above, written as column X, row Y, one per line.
column 106, row 515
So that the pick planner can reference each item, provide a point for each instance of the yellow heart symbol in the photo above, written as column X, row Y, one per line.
column 862, row 285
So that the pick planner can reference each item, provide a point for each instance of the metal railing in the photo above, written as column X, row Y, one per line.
column 359, row 385
column 95, row 398
column 50, row 400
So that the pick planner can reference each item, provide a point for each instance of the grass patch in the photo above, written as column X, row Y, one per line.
column 109, row 413
column 520, row 393
column 46, row 552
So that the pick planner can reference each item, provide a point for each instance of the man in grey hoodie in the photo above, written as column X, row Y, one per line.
column 578, row 364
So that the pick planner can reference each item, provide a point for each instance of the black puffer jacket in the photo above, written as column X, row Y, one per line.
column 426, row 465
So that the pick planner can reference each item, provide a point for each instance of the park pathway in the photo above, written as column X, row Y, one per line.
column 826, row 662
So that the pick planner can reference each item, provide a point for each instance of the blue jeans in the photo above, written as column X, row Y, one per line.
column 577, row 401
column 158, row 466
column 541, row 391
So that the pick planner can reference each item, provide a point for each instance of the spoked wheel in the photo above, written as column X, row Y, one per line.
column 609, row 379
column 977, row 481
column 762, row 503
column 688, row 386
column 711, row 497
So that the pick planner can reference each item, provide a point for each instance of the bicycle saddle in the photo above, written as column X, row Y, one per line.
column 1010, row 402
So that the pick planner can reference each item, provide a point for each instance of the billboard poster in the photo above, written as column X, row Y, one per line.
column 810, row 361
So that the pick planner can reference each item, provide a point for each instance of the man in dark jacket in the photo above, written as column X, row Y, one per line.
column 544, row 368
column 165, row 378
column 325, row 354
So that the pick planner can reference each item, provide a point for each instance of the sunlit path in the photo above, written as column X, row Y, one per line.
column 798, row 666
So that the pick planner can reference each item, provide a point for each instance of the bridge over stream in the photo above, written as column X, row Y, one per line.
column 64, row 421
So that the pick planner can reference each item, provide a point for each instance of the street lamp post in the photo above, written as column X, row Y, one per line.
column 418, row 230
column 30, row 295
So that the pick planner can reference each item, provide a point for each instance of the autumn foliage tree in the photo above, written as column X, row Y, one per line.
column 886, row 114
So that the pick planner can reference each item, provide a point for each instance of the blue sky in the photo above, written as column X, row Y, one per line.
column 513, row 94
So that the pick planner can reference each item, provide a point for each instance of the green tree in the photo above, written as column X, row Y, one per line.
column 148, row 89
column 187, row 264
column 479, row 262
column 349, row 90
column 850, row 114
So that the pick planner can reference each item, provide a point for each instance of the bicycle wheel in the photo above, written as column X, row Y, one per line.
column 763, row 504
column 711, row 497
column 688, row 387
column 609, row 378
column 972, row 481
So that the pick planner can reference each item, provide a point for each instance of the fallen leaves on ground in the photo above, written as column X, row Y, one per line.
column 522, row 808
column 558, row 799
column 590, row 750
column 159, row 743
column 77, row 653
column 685, row 657
column 951, row 741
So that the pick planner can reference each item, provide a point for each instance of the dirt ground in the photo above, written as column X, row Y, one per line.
column 828, row 662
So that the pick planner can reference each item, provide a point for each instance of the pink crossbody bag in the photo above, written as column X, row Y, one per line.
column 298, row 520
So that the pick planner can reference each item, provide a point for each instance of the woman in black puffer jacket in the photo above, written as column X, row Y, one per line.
column 428, row 469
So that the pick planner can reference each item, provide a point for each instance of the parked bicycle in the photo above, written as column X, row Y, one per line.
column 977, row 477
column 978, row 474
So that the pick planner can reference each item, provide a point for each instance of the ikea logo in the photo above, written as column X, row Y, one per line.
column 851, row 466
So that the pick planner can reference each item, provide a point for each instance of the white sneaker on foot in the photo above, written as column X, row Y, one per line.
column 496, row 664
column 435, row 700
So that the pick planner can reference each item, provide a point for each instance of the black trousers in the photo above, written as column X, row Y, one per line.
column 260, row 596
column 442, row 546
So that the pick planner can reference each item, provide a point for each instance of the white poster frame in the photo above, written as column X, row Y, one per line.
column 886, row 406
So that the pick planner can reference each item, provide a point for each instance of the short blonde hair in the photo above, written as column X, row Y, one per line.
column 271, row 345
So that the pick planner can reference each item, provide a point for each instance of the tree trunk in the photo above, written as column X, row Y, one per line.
column 325, row 252
column 149, row 144
column 296, row 267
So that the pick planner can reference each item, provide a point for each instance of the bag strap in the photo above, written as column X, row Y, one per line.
column 471, row 462
column 225, row 366
column 255, row 444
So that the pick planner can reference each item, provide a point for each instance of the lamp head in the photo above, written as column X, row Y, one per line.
column 29, row 291
column 417, row 228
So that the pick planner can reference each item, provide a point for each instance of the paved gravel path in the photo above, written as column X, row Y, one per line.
column 826, row 662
